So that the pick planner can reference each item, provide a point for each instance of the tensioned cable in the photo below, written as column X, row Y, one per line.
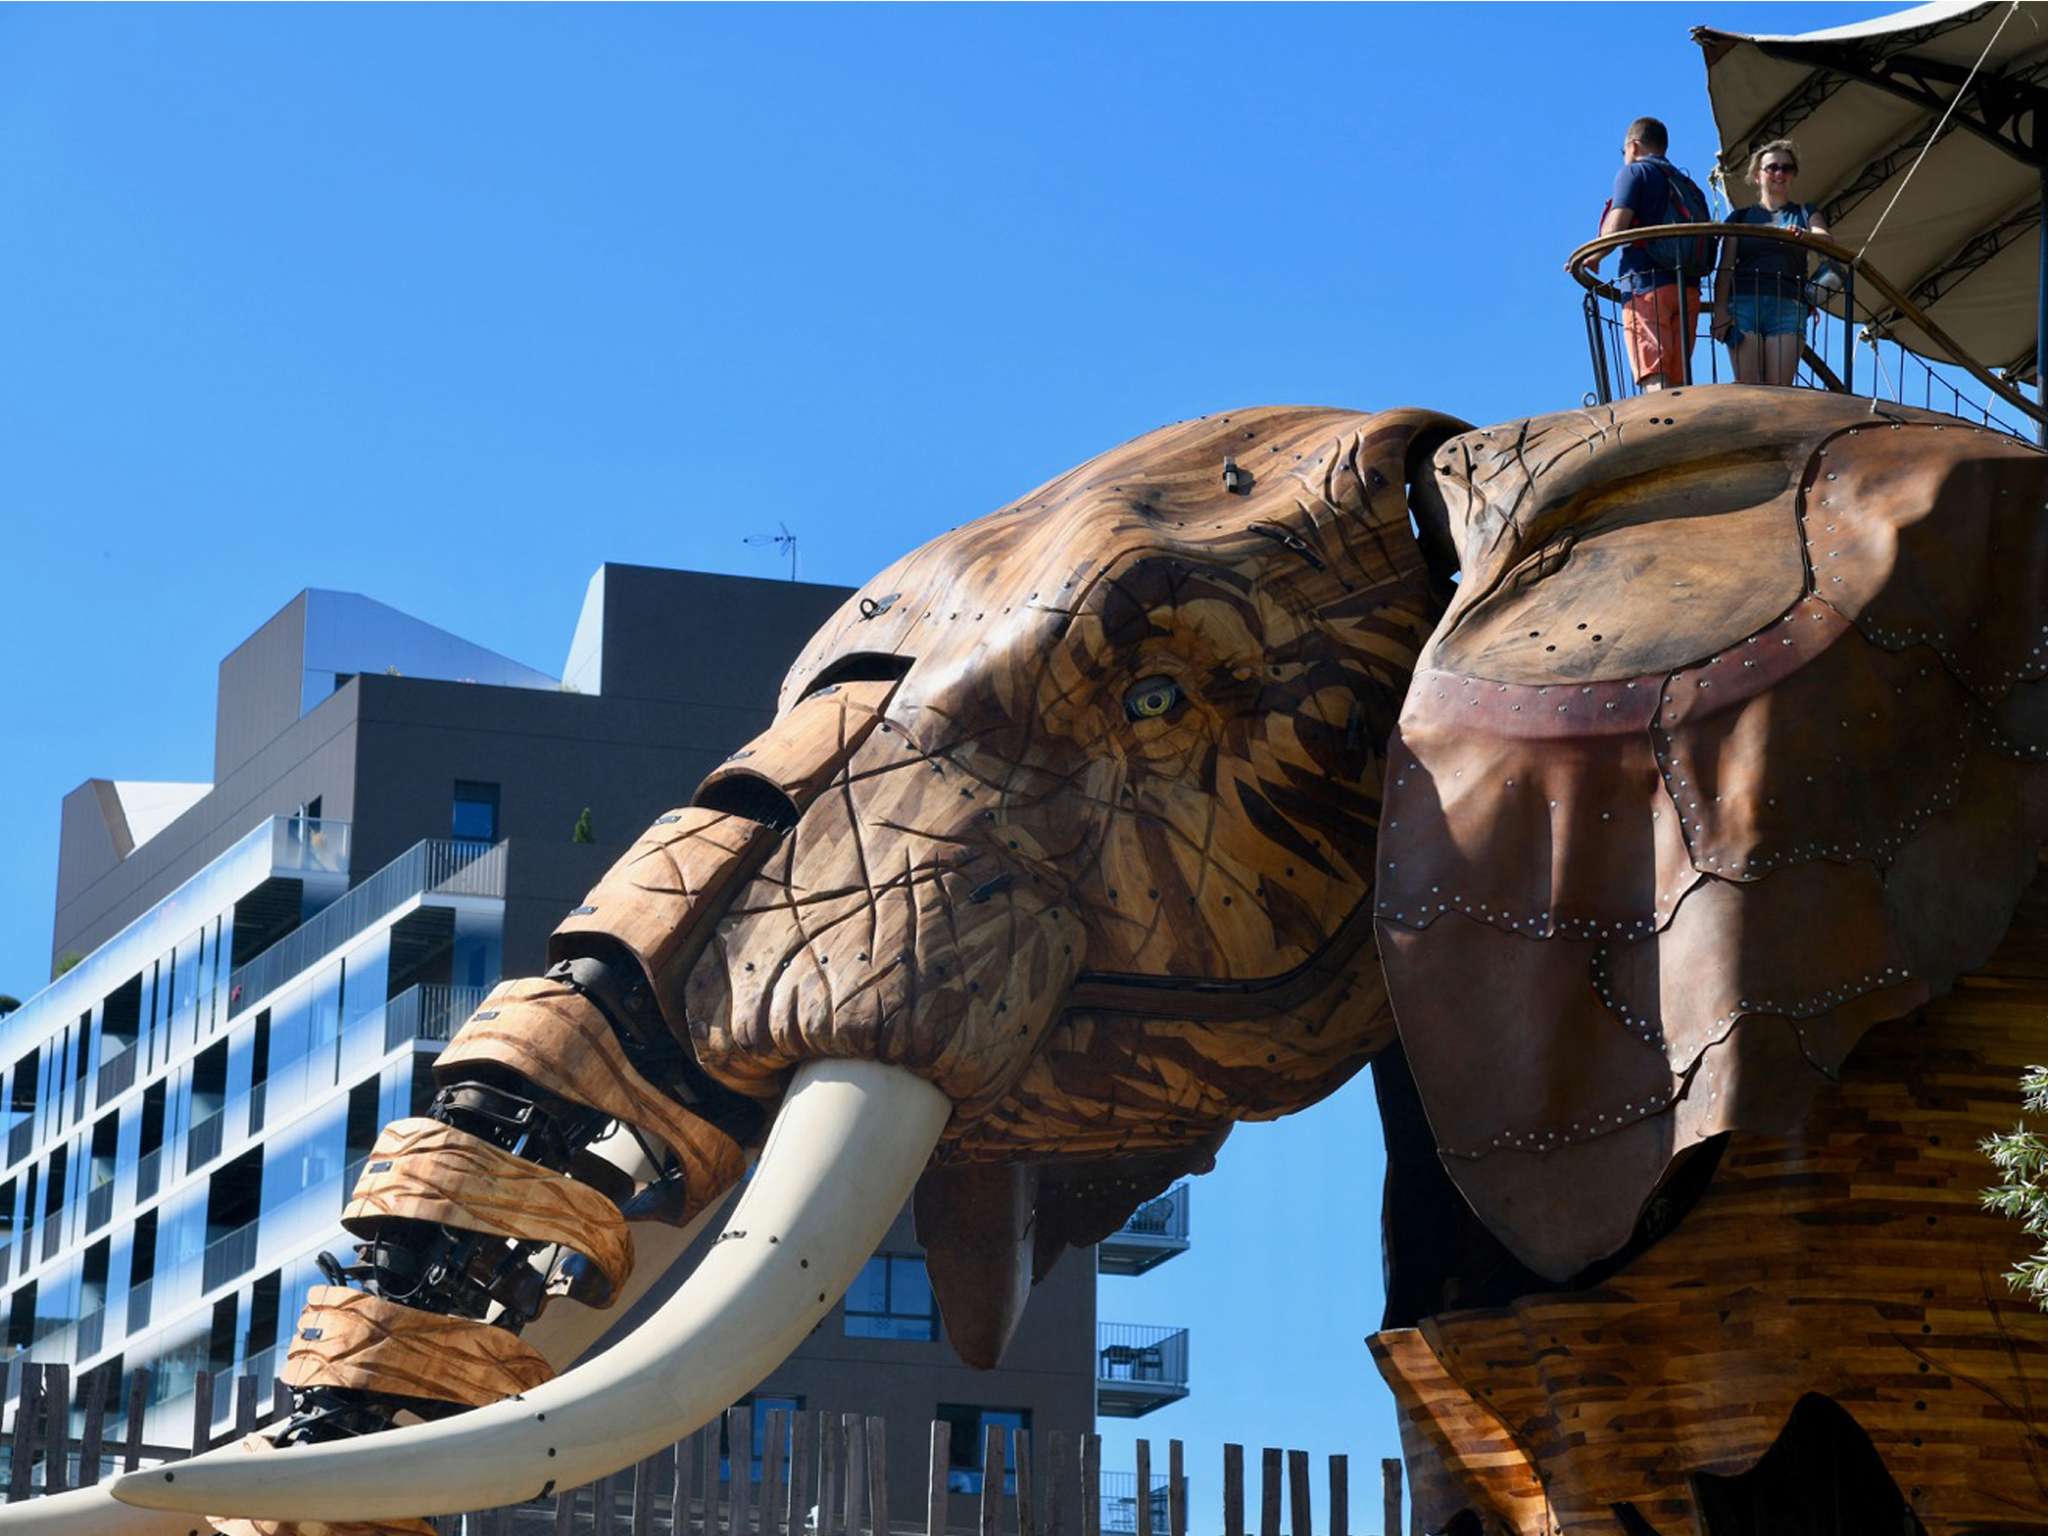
column 1935, row 137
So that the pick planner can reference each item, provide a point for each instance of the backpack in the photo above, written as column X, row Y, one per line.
column 1685, row 203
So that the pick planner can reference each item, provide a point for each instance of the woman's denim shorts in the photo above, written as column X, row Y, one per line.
column 1766, row 314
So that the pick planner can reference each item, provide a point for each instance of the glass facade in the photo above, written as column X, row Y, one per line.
column 184, row 1116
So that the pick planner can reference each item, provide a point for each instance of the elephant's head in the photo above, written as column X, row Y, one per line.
column 1065, row 853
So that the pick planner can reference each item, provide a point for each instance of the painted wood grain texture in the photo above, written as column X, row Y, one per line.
column 557, row 1039
column 423, row 1170
column 1850, row 1259
column 355, row 1340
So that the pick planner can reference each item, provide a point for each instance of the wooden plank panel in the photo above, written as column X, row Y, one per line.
column 245, row 1405
column 1269, row 1492
column 739, row 1453
column 56, row 1428
column 92, row 1440
column 1390, row 1494
column 1144, row 1480
column 28, row 1409
column 1233, row 1490
column 1176, row 1489
column 1056, row 1479
column 202, row 1411
column 708, row 1483
column 878, row 1472
column 1340, row 1498
column 774, row 1478
column 1020, row 1456
column 801, row 1477
column 1091, row 1485
column 679, row 1513
column 828, row 1474
column 853, row 1459
column 645, row 1480
column 138, row 1412
column 991, row 1481
column 1300, row 1516
column 935, row 1474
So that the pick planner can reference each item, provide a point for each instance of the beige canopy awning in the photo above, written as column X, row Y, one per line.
column 1862, row 102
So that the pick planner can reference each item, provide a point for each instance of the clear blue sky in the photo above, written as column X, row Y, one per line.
column 448, row 305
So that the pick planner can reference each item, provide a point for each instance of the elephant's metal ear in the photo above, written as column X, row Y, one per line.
column 1729, row 746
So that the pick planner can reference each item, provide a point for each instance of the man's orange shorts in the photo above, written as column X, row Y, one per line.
column 1659, row 337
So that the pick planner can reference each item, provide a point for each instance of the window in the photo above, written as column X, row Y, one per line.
column 963, row 1454
column 476, row 812
column 891, row 1298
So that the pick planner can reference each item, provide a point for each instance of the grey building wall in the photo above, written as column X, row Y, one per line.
column 258, row 696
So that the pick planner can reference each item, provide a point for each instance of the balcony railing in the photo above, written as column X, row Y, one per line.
column 149, row 1170
column 138, row 1306
column 1120, row 1502
column 437, row 866
column 1139, row 1367
column 429, row 1011
column 1860, row 308
column 53, row 1233
column 117, row 1073
column 99, row 1205
column 1156, row 1232
column 228, row 1256
column 91, row 1333
column 203, row 1141
column 21, row 1137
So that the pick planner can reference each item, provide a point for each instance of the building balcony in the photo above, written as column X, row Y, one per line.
column 435, row 866
column 1157, row 1231
column 430, row 1012
column 1138, row 1367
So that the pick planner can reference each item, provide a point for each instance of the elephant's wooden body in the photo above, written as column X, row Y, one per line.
column 1630, row 787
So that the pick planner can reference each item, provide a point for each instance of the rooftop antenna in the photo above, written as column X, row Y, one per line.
column 784, row 542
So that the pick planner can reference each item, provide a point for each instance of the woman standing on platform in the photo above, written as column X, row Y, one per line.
column 1760, row 303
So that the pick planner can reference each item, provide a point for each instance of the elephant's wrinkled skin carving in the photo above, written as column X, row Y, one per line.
column 1723, row 751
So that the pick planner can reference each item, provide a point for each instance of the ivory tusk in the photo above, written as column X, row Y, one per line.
column 564, row 1333
column 845, row 1151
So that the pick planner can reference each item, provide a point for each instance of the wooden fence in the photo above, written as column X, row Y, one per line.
column 826, row 1474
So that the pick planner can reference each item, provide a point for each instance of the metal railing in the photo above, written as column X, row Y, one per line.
column 21, row 1137
column 53, row 1233
column 91, row 1333
column 1141, row 1352
column 228, row 1256
column 1119, row 1501
column 1861, row 309
column 138, row 1306
column 117, row 1073
column 148, row 1173
column 437, row 866
column 99, row 1205
column 1165, row 1217
column 429, row 1011
column 203, row 1141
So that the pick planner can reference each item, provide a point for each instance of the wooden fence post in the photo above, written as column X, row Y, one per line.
column 707, row 1462
column 138, row 1411
column 935, row 1485
column 878, row 1472
column 1091, row 1485
column 739, row 1455
column 1340, row 1496
column 1020, row 1453
column 28, row 1407
column 202, row 1411
column 92, row 1441
column 1233, row 1490
column 679, row 1497
column 57, row 1428
column 280, row 1400
column 991, row 1480
column 828, row 1474
column 774, row 1485
column 1055, row 1483
column 565, row 1512
column 1144, row 1480
column 245, row 1406
column 1176, row 1489
column 853, row 1461
column 1390, row 1494
column 643, row 1496
column 799, row 1471
column 1300, row 1516
column 1269, row 1492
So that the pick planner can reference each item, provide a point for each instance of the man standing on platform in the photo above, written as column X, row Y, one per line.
column 1660, row 315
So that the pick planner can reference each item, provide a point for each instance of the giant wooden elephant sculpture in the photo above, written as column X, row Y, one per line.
column 1604, row 779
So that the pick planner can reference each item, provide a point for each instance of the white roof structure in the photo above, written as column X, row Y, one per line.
column 1862, row 102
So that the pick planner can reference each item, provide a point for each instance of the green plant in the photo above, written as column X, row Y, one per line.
column 8, row 1003
column 582, row 833
column 65, row 962
column 2021, row 1158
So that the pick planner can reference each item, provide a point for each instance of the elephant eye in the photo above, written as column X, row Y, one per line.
column 1150, row 699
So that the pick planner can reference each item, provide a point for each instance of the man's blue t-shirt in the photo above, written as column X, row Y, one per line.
column 1641, row 188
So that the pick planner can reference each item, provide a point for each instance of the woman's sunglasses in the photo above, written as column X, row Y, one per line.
column 1781, row 170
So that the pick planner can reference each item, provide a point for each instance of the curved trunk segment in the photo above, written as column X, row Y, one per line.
column 843, row 1156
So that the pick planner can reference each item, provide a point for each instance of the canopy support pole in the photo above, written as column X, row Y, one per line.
column 2041, row 313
